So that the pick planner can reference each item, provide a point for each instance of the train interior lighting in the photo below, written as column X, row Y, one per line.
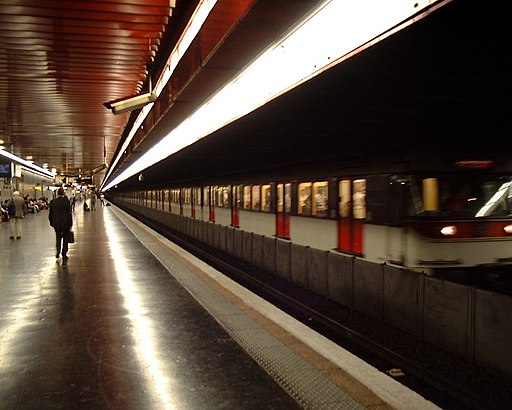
column 340, row 27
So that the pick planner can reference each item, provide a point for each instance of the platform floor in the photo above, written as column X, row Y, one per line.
column 135, row 322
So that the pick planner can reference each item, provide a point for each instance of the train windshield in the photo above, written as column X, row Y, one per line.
column 456, row 196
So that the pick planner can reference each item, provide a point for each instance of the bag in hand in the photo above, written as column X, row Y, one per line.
column 11, row 209
column 71, row 237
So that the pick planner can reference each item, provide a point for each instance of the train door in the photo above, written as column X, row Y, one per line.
column 236, row 196
column 352, row 214
column 284, row 206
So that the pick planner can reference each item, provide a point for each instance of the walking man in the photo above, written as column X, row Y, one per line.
column 17, row 210
column 61, row 220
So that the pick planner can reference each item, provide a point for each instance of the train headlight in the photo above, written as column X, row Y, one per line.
column 449, row 230
column 508, row 229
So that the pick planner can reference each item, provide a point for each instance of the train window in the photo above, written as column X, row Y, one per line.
column 266, row 195
column 166, row 199
column 223, row 196
column 499, row 202
column 430, row 194
column 352, row 198
column 304, row 205
column 175, row 196
column 197, row 196
column 288, row 197
column 320, row 194
column 247, row 197
column 214, row 195
column 284, row 197
column 359, row 198
column 344, row 192
column 468, row 195
column 236, row 198
column 206, row 195
column 219, row 199
column 187, row 196
column 255, row 200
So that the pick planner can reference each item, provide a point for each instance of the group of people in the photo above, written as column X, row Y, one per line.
column 60, row 218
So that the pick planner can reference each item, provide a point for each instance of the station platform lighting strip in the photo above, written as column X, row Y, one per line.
column 332, row 33
column 28, row 165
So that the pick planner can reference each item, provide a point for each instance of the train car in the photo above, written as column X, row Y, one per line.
column 421, row 217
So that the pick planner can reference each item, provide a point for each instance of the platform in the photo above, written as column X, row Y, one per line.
column 135, row 322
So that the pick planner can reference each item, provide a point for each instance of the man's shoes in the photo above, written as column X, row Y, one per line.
column 57, row 255
column 18, row 237
column 12, row 237
column 64, row 260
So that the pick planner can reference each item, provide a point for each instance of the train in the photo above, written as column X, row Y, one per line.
column 424, row 216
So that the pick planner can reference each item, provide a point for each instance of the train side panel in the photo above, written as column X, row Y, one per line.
column 262, row 223
column 315, row 233
column 424, row 253
column 223, row 216
column 383, row 244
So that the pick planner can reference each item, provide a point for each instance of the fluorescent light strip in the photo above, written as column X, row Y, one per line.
column 195, row 23
column 26, row 164
column 340, row 27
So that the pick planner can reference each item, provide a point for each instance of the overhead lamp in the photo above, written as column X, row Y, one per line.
column 343, row 28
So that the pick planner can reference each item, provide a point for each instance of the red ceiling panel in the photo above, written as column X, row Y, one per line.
column 60, row 60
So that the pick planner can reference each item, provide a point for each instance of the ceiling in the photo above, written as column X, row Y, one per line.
column 441, row 85
column 443, row 82
column 60, row 60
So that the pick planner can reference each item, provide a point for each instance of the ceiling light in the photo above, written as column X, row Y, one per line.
column 341, row 28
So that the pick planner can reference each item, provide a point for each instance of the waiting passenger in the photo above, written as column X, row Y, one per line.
column 17, row 210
